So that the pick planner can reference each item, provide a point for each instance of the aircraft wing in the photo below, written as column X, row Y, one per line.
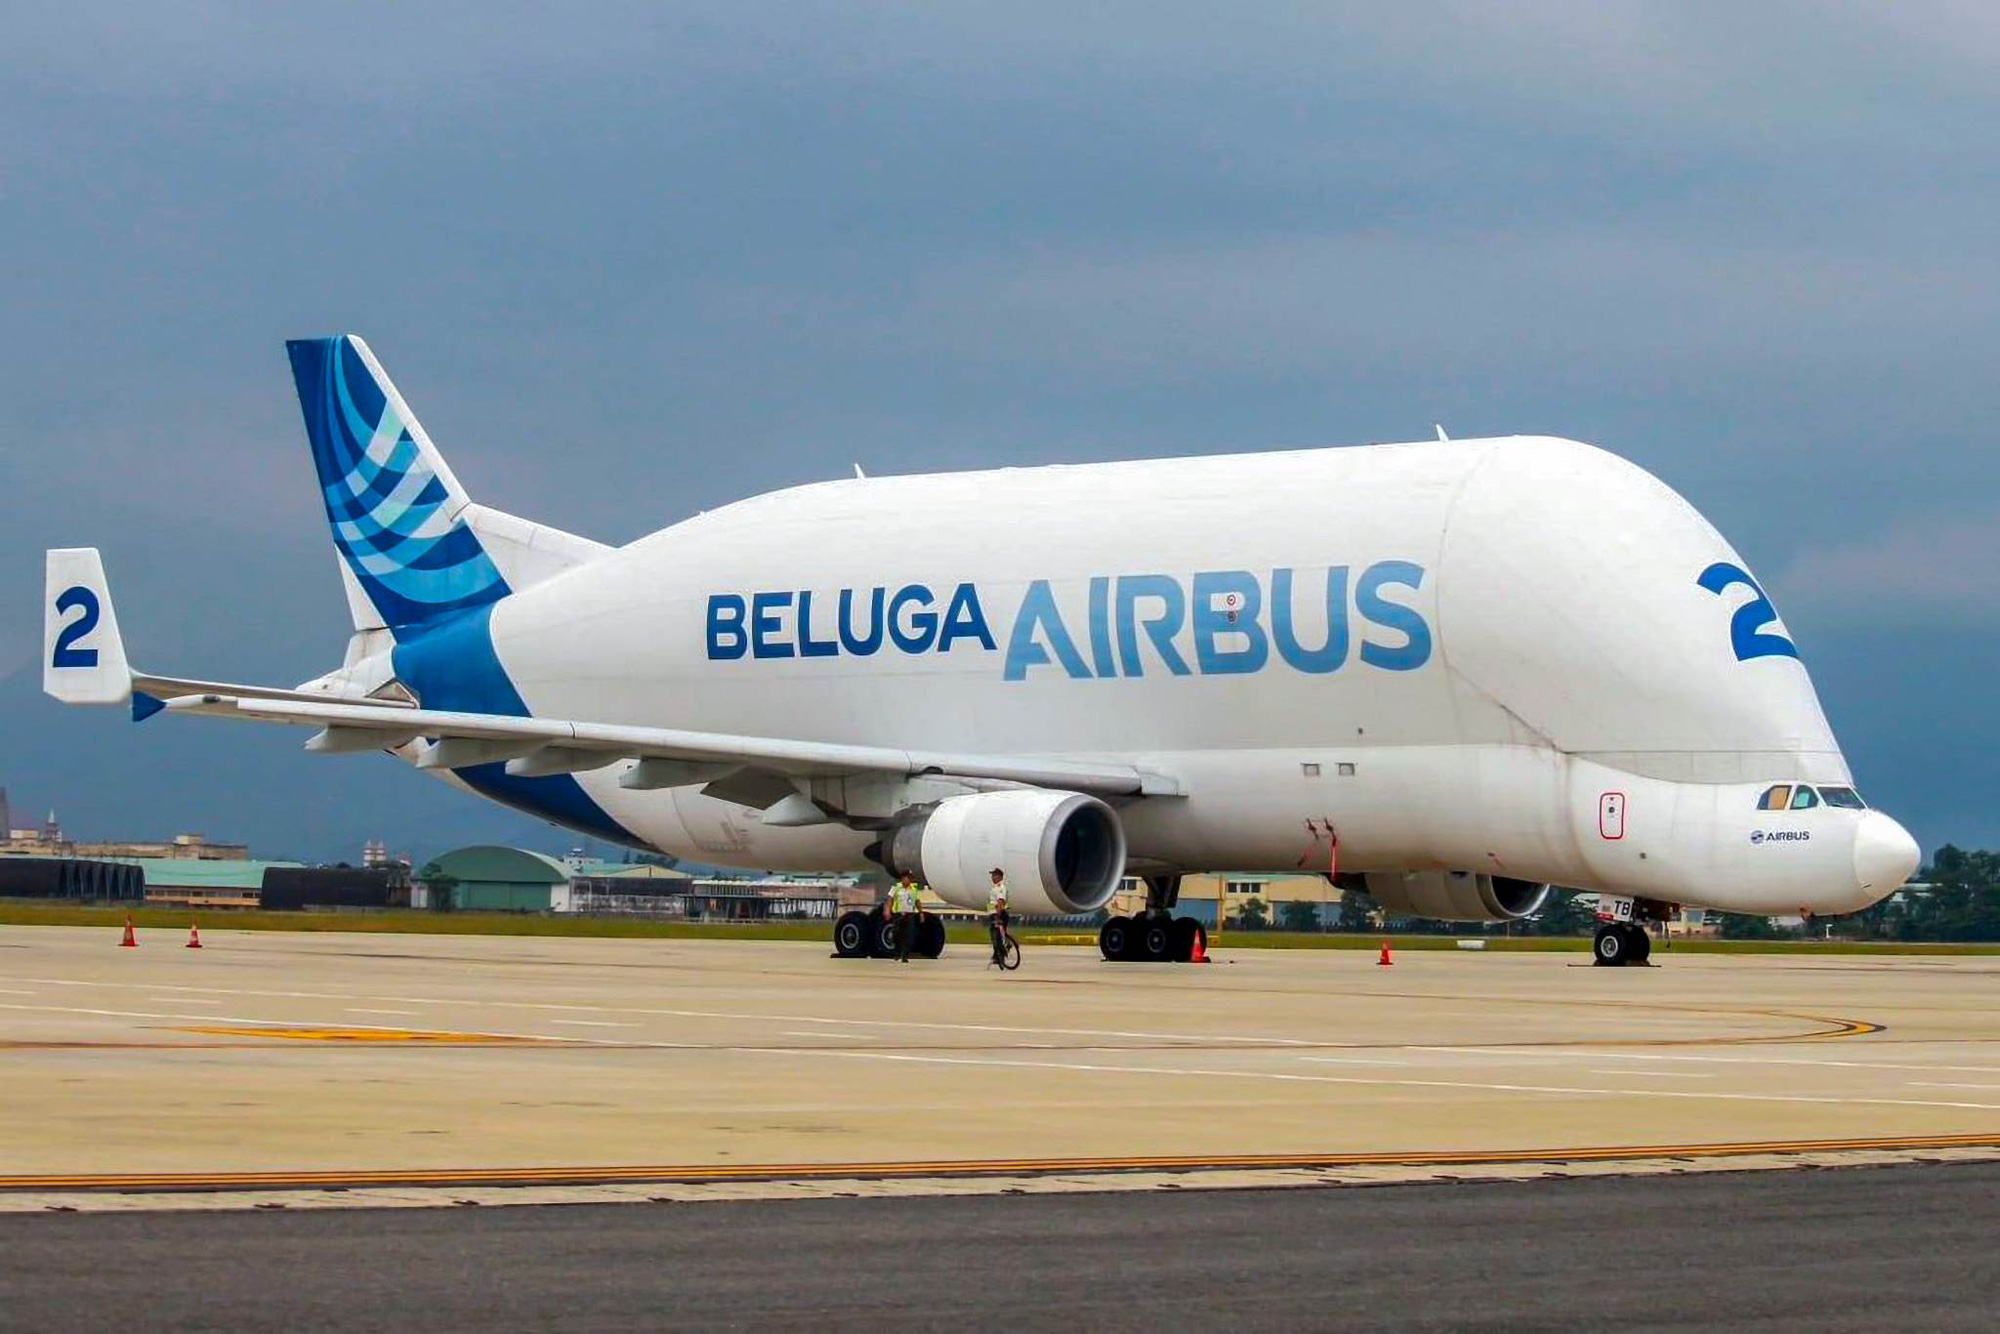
column 84, row 662
column 555, row 745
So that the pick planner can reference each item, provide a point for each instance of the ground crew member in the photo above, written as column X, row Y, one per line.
column 906, row 902
column 996, row 915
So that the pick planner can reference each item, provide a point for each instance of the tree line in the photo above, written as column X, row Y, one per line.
column 1955, row 897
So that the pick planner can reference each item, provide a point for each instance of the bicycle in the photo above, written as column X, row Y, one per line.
column 1007, row 950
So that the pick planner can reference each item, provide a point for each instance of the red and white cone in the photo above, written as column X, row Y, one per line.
column 1384, row 961
column 130, row 941
column 194, row 935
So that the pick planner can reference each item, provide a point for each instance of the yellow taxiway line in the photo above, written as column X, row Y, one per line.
column 687, row 1173
column 331, row 1033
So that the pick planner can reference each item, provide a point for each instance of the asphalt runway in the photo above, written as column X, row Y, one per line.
column 1883, row 1248
column 447, row 1061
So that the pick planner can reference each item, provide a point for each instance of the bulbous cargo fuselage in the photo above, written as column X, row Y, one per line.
column 1522, row 657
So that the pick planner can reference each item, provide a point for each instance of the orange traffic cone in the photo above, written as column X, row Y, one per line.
column 1385, row 961
column 130, row 940
column 1200, row 954
column 194, row 935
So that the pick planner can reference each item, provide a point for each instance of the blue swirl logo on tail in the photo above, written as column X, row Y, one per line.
column 394, row 516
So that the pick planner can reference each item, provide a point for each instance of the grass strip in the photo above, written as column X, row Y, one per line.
column 404, row 921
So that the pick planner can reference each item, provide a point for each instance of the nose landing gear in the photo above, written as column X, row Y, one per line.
column 1622, row 935
column 1620, row 943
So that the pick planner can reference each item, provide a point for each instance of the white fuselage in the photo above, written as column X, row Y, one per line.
column 1484, row 655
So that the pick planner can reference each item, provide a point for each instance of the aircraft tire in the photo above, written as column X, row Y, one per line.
column 1642, row 945
column 850, row 935
column 882, row 938
column 930, row 937
column 1114, row 939
column 1610, row 947
column 1152, row 939
column 1184, row 931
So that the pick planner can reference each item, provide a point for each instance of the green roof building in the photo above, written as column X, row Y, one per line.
column 186, row 873
column 490, row 878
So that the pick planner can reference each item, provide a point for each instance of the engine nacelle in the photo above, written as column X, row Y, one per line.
column 1455, row 896
column 1062, row 852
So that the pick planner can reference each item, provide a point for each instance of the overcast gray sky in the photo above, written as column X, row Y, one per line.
column 631, row 261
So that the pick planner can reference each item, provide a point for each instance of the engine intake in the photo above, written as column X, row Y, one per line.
column 1455, row 896
column 1062, row 852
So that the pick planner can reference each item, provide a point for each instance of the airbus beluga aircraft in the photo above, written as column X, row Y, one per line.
column 1459, row 671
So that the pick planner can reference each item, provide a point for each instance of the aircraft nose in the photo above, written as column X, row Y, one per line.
column 1884, row 854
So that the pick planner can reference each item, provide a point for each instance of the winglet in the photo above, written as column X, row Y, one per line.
column 83, row 657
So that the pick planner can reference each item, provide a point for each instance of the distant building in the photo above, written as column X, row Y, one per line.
column 48, row 841
column 489, row 878
column 33, row 843
column 295, row 888
column 182, row 847
column 203, row 882
column 44, row 840
column 762, row 898
column 77, row 879
column 1223, row 894
column 625, row 887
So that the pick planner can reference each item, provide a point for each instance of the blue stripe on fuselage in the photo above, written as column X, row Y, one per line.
column 453, row 667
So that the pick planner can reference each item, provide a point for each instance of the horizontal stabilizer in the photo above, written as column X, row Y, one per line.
column 173, row 687
column 83, row 653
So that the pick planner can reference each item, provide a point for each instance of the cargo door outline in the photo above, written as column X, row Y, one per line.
column 1611, row 816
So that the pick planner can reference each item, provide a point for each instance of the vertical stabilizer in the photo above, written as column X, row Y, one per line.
column 398, row 513
column 83, row 655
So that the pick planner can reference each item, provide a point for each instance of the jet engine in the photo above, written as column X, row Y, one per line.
column 1062, row 852
column 1455, row 896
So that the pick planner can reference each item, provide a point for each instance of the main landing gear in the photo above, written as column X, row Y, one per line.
column 872, row 935
column 1153, row 935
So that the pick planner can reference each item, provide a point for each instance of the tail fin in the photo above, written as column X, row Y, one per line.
column 397, row 512
column 83, row 655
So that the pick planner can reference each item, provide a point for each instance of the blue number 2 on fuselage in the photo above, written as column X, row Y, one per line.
column 1746, row 628
column 78, row 598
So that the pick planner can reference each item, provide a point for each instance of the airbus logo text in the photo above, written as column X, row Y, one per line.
column 1226, row 621
column 1780, row 836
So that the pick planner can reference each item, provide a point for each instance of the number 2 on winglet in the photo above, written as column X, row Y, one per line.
column 1746, row 628
column 75, row 598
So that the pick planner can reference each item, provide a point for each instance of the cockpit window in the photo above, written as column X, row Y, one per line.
column 1844, row 797
column 1804, row 799
column 1775, row 798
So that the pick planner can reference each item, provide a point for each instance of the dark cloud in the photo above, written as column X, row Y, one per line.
column 631, row 261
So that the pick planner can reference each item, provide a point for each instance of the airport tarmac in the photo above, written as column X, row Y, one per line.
column 1896, row 1248
column 270, row 1061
